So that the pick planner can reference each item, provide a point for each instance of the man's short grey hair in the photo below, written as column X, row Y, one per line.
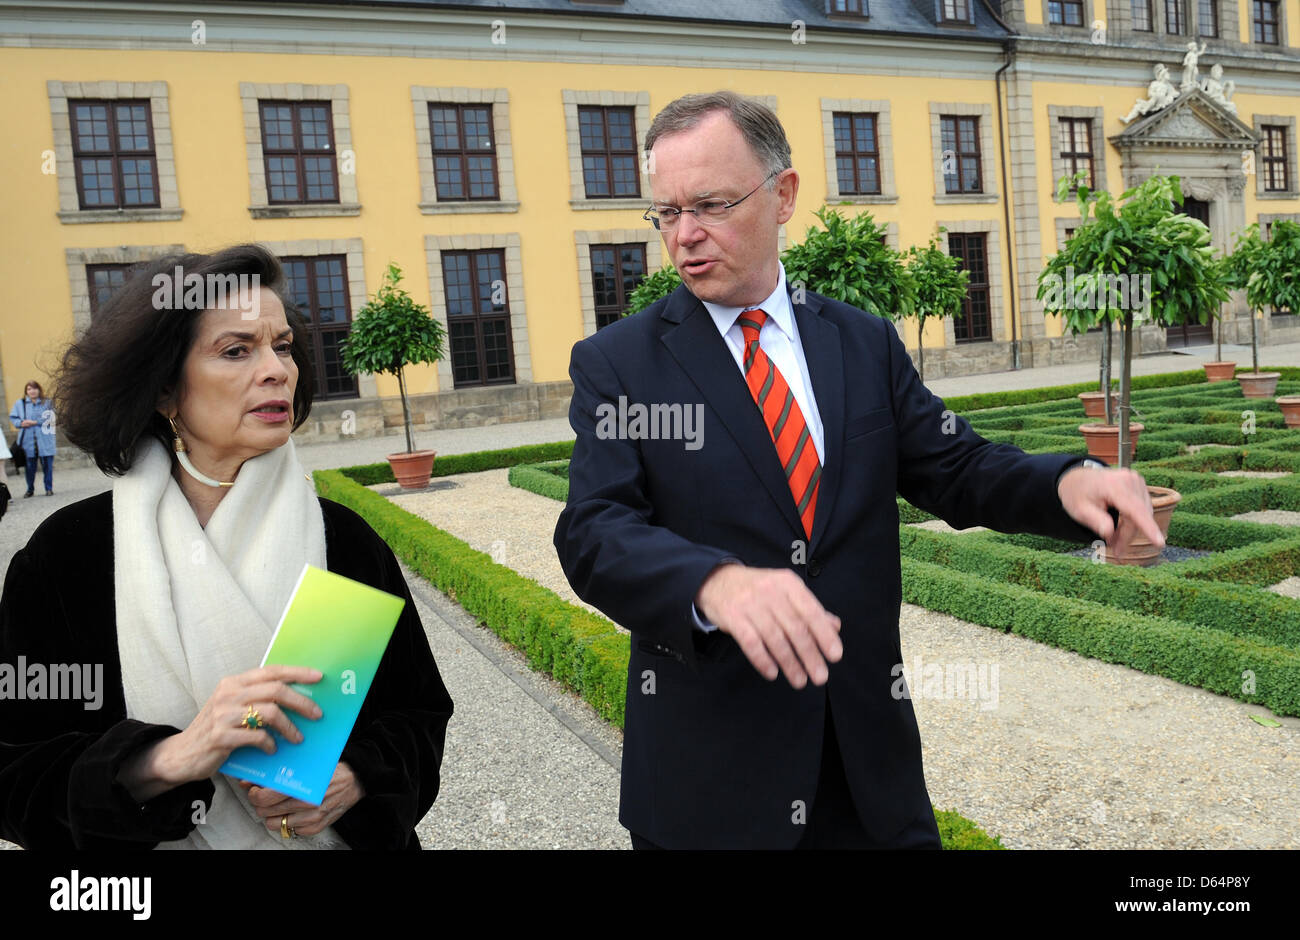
column 755, row 121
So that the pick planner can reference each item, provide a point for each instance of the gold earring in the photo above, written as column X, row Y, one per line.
column 178, row 444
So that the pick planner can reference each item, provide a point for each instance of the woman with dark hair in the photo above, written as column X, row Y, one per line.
column 186, row 387
column 33, row 415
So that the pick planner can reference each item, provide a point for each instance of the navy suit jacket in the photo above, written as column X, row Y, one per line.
column 715, row 755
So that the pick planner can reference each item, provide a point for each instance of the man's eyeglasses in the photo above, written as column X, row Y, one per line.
column 709, row 212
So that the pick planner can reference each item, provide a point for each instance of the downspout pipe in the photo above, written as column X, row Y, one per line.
column 1007, row 48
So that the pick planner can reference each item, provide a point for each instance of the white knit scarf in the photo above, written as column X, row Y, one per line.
column 195, row 604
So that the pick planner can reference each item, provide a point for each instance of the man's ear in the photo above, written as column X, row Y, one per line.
column 787, row 191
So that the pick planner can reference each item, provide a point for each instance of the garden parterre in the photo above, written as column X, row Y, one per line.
column 1210, row 622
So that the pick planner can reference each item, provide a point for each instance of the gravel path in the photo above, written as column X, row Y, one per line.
column 1076, row 752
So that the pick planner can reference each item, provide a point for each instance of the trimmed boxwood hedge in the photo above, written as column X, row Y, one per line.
column 371, row 474
column 1207, row 658
column 1237, row 609
column 545, row 479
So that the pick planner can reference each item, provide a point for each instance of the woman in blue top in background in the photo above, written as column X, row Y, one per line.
column 33, row 416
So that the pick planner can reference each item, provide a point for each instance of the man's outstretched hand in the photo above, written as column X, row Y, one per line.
column 1088, row 492
column 774, row 619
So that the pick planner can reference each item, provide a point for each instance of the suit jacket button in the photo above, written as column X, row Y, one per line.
column 814, row 569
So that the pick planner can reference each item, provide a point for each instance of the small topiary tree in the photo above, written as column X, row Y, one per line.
column 1147, row 240
column 849, row 261
column 392, row 332
column 940, row 288
column 1269, row 272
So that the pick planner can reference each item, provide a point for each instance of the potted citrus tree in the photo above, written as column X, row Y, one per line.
column 940, row 288
column 1172, row 278
column 389, row 333
column 1253, row 267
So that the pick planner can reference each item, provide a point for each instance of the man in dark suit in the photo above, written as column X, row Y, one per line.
column 732, row 503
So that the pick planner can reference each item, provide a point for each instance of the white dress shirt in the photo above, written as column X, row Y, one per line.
column 779, row 339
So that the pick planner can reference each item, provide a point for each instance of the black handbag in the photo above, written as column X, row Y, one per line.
column 4, row 498
column 20, row 455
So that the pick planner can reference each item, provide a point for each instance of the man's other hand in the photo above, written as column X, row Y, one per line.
column 774, row 619
column 1088, row 492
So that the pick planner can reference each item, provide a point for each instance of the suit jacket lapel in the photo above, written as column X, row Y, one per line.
column 707, row 362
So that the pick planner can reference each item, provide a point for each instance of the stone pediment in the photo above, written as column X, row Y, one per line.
column 1194, row 120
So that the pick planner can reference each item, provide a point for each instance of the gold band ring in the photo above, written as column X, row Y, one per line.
column 286, row 831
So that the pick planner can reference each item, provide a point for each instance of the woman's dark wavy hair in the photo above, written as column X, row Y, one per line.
column 111, row 377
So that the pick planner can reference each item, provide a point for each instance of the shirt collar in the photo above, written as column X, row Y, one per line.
column 776, row 306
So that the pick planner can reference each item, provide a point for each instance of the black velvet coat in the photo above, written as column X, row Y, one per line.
column 59, row 761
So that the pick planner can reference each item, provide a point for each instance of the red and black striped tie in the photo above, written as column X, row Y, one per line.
column 784, row 419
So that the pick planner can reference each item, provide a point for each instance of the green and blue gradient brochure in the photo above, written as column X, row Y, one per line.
column 340, row 627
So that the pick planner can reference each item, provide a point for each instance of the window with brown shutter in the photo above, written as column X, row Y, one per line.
column 113, row 151
column 464, row 151
column 319, row 288
column 298, row 149
column 607, row 136
column 974, row 324
column 478, row 317
column 616, row 270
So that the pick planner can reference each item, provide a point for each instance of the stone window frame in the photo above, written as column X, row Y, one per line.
column 507, row 195
column 1266, row 217
column 584, row 239
column 1062, row 223
column 77, row 259
column 352, row 250
column 70, row 211
column 1292, row 165
column 988, row 156
column 1282, row 40
column 992, row 228
column 639, row 101
column 1098, row 138
column 434, row 246
column 260, row 207
column 884, row 142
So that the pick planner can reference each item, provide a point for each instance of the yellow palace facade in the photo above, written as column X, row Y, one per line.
column 493, row 151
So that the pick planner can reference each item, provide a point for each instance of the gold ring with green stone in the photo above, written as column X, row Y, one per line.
column 252, row 720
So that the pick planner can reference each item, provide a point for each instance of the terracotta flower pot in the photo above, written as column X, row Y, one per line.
column 1258, row 384
column 1140, row 551
column 1290, row 405
column 1103, row 440
column 1094, row 405
column 1219, row 371
column 413, row 470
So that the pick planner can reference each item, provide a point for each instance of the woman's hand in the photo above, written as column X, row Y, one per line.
column 341, row 795
column 29, row 423
column 218, row 729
